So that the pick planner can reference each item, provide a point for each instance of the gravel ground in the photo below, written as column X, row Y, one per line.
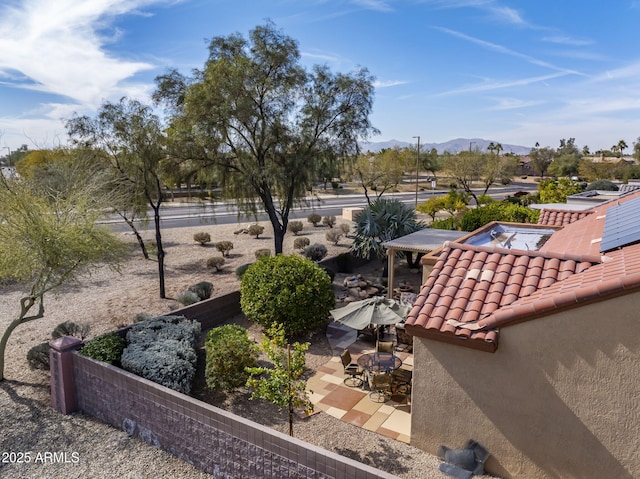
column 87, row 448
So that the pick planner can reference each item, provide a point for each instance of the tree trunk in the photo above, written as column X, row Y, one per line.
column 156, row 218
column 26, row 304
column 278, row 238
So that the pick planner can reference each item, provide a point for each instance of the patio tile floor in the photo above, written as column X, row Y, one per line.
column 353, row 405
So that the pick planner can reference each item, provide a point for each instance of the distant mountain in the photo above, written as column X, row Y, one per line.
column 451, row 146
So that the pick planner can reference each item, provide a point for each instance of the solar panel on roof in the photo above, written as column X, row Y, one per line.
column 621, row 226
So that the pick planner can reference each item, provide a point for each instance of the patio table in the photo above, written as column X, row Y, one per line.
column 379, row 362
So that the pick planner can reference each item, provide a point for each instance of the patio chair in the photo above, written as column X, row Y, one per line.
column 384, row 347
column 380, row 387
column 352, row 370
column 404, row 338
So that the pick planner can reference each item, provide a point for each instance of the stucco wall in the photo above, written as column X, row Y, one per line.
column 559, row 399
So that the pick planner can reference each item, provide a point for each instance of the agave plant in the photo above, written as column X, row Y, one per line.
column 381, row 221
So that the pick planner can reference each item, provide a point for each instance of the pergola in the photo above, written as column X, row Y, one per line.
column 423, row 241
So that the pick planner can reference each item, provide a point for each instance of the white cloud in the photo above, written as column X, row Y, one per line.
column 377, row 5
column 506, row 51
column 514, row 104
column 497, row 85
column 58, row 48
column 564, row 40
column 388, row 83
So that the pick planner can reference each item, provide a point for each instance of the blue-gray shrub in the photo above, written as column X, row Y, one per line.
column 168, row 362
column 164, row 327
column 162, row 350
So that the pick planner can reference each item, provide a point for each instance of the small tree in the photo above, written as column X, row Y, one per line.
column 49, row 241
column 301, row 243
column 314, row 219
column 282, row 384
column 295, row 227
column 333, row 236
column 202, row 238
column 256, row 230
column 289, row 290
column 330, row 221
column 224, row 247
column 215, row 262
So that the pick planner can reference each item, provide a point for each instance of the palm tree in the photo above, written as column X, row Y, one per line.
column 491, row 147
column 622, row 145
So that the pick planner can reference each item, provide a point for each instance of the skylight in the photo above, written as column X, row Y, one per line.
column 512, row 237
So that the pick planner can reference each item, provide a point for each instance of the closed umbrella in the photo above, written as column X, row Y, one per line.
column 377, row 310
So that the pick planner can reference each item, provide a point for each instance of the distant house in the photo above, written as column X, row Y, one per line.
column 529, row 342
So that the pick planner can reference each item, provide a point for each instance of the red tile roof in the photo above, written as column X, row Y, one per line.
column 554, row 217
column 473, row 291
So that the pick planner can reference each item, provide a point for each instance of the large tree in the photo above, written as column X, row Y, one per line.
column 470, row 167
column 380, row 172
column 132, row 137
column 264, row 121
column 49, row 236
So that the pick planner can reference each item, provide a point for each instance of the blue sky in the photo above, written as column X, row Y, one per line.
column 509, row 71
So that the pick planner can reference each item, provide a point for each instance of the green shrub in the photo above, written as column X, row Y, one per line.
column 445, row 224
column 301, row 243
column 556, row 191
column 224, row 247
column 186, row 298
column 295, row 227
column 38, row 356
column 498, row 211
column 345, row 228
column 106, row 348
column 69, row 328
column 202, row 238
column 240, row 270
column 203, row 289
column 228, row 352
column 315, row 252
column 288, row 290
column 602, row 185
column 330, row 221
column 333, row 236
column 162, row 350
column 256, row 230
column 262, row 253
column 314, row 219
column 215, row 262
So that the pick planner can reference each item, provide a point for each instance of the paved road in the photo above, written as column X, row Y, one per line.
column 180, row 215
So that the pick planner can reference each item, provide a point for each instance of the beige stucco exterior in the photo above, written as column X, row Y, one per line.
column 560, row 398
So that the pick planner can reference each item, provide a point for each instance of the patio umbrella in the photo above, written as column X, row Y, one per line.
column 376, row 310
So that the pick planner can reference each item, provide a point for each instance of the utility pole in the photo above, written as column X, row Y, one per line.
column 417, row 167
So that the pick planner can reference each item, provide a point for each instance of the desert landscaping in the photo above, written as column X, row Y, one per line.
column 110, row 299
